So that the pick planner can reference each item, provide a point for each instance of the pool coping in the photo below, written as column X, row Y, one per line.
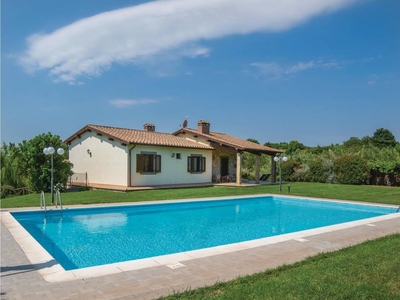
column 51, row 271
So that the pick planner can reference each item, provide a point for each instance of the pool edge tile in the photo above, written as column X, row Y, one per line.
column 51, row 271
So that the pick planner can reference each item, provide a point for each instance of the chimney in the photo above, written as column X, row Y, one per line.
column 149, row 127
column 203, row 127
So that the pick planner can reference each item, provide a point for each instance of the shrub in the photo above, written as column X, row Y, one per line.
column 288, row 168
column 301, row 173
column 248, row 176
column 351, row 169
column 6, row 190
column 321, row 170
column 317, row 172
column 385, row 173
column 330, row 173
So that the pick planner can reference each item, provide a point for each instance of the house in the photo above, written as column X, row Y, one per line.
column 130, row 158
column 228, row 150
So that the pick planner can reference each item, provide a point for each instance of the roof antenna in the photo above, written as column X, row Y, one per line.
column 185, row 123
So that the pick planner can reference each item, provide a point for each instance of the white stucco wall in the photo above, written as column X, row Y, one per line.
column 108, row 163
column 173, row 170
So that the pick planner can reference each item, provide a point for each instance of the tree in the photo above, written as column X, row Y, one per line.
column 37, row 166
column 11, row 177
column 294, row 146
column 366, row 140
column 353, row 142
column 280, row 146
column 383, row 138
column 253, row 141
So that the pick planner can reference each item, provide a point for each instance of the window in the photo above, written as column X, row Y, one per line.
column 178, row 156
column 147, row 163
column 196, row 164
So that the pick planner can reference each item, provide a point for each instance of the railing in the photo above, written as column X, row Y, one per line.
column 21, row 191
column 79, row 179
column 58, row 197
column 42, row 201
column 398, row 209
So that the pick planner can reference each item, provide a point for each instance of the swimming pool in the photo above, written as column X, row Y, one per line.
column 80, row 238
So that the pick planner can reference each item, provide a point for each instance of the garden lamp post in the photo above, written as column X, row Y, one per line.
column 50, row 151
column 279, row 158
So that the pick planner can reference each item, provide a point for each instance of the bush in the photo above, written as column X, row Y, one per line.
column 248, row 176
column 301, row 173
column 6, row 190
column 321, row 170
column 317, row 172
column 288, row 168
column 385, row 173
column 351, row 169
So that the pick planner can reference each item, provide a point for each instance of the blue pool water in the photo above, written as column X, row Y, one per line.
column 80, row 238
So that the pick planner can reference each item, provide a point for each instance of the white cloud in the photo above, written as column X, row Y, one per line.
column 76, row 83
column 92, row 45
column 120, row 103
column 274, row 70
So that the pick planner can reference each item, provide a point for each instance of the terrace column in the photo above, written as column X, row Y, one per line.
column 257, row 168
column 239, row 168
column 273, row 170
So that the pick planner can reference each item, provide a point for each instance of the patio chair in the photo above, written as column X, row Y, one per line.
column 227, row 178
column 264, row 177
column 218, row 178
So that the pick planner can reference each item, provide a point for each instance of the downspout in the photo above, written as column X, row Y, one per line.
column 130, row 165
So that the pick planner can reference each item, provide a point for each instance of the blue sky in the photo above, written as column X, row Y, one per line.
column 318, row 72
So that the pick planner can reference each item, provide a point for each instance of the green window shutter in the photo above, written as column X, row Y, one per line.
column 139, row 163
column 189, row 164
column 158, row 164
column 203, row 164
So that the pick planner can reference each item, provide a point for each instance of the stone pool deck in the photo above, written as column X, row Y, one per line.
column 22, row 279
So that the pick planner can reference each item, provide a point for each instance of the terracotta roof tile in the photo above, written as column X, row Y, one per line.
column 133, row 136
column 233, row 141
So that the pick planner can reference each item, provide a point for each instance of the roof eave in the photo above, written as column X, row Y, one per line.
column 210, row 138
column 98, row 132
column 172, row 146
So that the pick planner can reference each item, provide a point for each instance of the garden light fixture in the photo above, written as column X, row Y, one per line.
column 280, row 159
column 50, row 151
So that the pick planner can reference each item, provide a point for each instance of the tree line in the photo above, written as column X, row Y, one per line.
column 25, row 165
column 371, row 160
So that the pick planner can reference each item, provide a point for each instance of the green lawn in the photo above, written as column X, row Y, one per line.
column 374, row 194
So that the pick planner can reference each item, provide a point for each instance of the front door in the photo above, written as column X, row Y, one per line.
column 224, row 166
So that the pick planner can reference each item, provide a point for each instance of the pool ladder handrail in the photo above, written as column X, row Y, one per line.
column 43, row 201
column 398, row 209
column 58, row 197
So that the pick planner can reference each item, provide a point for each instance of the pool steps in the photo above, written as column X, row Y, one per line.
column 58, row 194
column 43, row 201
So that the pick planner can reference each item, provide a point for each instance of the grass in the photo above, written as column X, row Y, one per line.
column 366, row 271
column 374, row 194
